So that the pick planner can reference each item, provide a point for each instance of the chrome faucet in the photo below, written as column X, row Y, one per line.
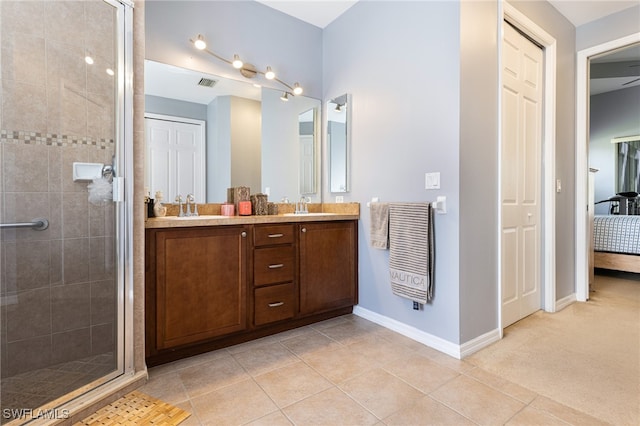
column 301, row 206
column 179, row 201
column 191, row 200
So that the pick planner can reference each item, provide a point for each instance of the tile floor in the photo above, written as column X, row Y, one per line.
column 32, row 389
column 349, row 371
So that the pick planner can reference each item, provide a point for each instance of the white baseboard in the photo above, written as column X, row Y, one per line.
column 565, row 301
column 435, row 342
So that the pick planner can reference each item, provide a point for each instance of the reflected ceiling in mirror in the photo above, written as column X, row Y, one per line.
column 180, row 92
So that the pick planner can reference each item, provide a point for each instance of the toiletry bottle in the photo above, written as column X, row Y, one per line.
column 158, row 209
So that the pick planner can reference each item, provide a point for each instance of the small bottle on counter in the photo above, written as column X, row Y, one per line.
column 158, row 209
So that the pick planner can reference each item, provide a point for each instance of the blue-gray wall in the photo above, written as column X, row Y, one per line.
column 174, row 107
column 400, row 61
column 612, row 27
column 612, row 114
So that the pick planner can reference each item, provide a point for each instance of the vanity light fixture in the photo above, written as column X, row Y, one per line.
column 248, row 70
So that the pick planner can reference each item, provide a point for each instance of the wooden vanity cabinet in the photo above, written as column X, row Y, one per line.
column 328, row 266
column 196, row 284
column 214, row 286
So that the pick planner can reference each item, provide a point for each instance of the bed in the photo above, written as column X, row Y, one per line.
column 616, row 242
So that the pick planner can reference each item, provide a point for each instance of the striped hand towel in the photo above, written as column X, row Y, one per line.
column 411, row 255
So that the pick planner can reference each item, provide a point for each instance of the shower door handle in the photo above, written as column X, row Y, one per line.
column 36, row 224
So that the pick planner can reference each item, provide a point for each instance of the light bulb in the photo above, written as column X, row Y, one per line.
column 88, row 59
column 237, row 63
column 269, row 75
column 297, row 90
column 110, row 71
column 200, row 44
column 285, row 96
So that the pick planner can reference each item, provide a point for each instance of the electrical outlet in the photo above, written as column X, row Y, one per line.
column 339, row 199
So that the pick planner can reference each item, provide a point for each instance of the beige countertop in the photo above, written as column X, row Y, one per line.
column 210, row 216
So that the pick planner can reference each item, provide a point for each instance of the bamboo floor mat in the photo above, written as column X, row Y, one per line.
column 136, row 408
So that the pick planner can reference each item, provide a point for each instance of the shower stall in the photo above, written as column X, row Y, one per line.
column 63, row 248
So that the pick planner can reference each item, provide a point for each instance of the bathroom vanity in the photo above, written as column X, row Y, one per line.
column 216, row 281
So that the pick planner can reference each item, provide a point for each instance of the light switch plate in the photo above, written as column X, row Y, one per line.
column 432, row 180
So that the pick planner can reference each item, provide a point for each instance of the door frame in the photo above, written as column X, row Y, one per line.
column 548, row 234
column 582, row 157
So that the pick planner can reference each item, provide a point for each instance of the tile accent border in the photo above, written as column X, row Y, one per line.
column 20, row 137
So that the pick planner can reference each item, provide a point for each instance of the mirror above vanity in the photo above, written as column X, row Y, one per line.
column 338, row 142
column 250, row 137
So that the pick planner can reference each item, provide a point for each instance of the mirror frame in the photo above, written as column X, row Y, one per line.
column 339, row 183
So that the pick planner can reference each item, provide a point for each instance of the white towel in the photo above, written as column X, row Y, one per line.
column 411, row 256
column 379, row 228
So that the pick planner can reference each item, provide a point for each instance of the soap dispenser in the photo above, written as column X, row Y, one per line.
column 159, row 210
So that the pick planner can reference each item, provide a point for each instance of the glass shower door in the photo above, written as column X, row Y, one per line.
column 59, row 311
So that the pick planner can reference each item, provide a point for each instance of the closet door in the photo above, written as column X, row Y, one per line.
column 175, row 156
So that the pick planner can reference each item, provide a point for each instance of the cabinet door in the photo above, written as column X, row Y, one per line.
column 328, row 266
column 201, row 284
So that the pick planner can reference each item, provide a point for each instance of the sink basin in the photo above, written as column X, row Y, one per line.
column 202, row 216
column 308, row 214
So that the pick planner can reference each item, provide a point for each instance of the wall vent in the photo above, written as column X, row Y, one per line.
column 207, row 82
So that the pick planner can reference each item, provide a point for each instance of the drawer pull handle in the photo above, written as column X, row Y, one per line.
column 276, row 266
column 276, row 235
column 275, row 304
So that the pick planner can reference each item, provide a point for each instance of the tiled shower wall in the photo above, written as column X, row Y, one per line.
column 58, row 287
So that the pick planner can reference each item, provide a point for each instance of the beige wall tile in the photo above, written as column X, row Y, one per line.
column 76, row 260
column 70, row 307
column 22, row 207
column 103, row 339
column 67, row 109
column 55, row 258
column 23, row 59
column 27, row 355
column 26, row 265
column 26, row 168
column 64, row 21
column 24, row 107
column 70, row 345
column 103, row 302
column 26, row 17
column 75, row 220
column 100, row 30
column 102, row 261
column 30, row 317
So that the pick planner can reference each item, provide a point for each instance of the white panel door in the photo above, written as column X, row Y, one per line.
column 307, row 165
column 521, row 175
column 175, row 158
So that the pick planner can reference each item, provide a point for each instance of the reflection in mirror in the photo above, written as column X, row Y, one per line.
column 627, row 164
column 307, row 131
column 338, row 130
column 253, row 137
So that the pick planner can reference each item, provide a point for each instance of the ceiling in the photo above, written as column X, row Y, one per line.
column 579, row 12
column 322, row 12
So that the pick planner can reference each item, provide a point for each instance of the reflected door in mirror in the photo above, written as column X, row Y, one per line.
column 175, row 156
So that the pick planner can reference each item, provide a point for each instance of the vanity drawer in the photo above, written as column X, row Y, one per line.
column 272, row 234
column 273, row 303
column 273, row 265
